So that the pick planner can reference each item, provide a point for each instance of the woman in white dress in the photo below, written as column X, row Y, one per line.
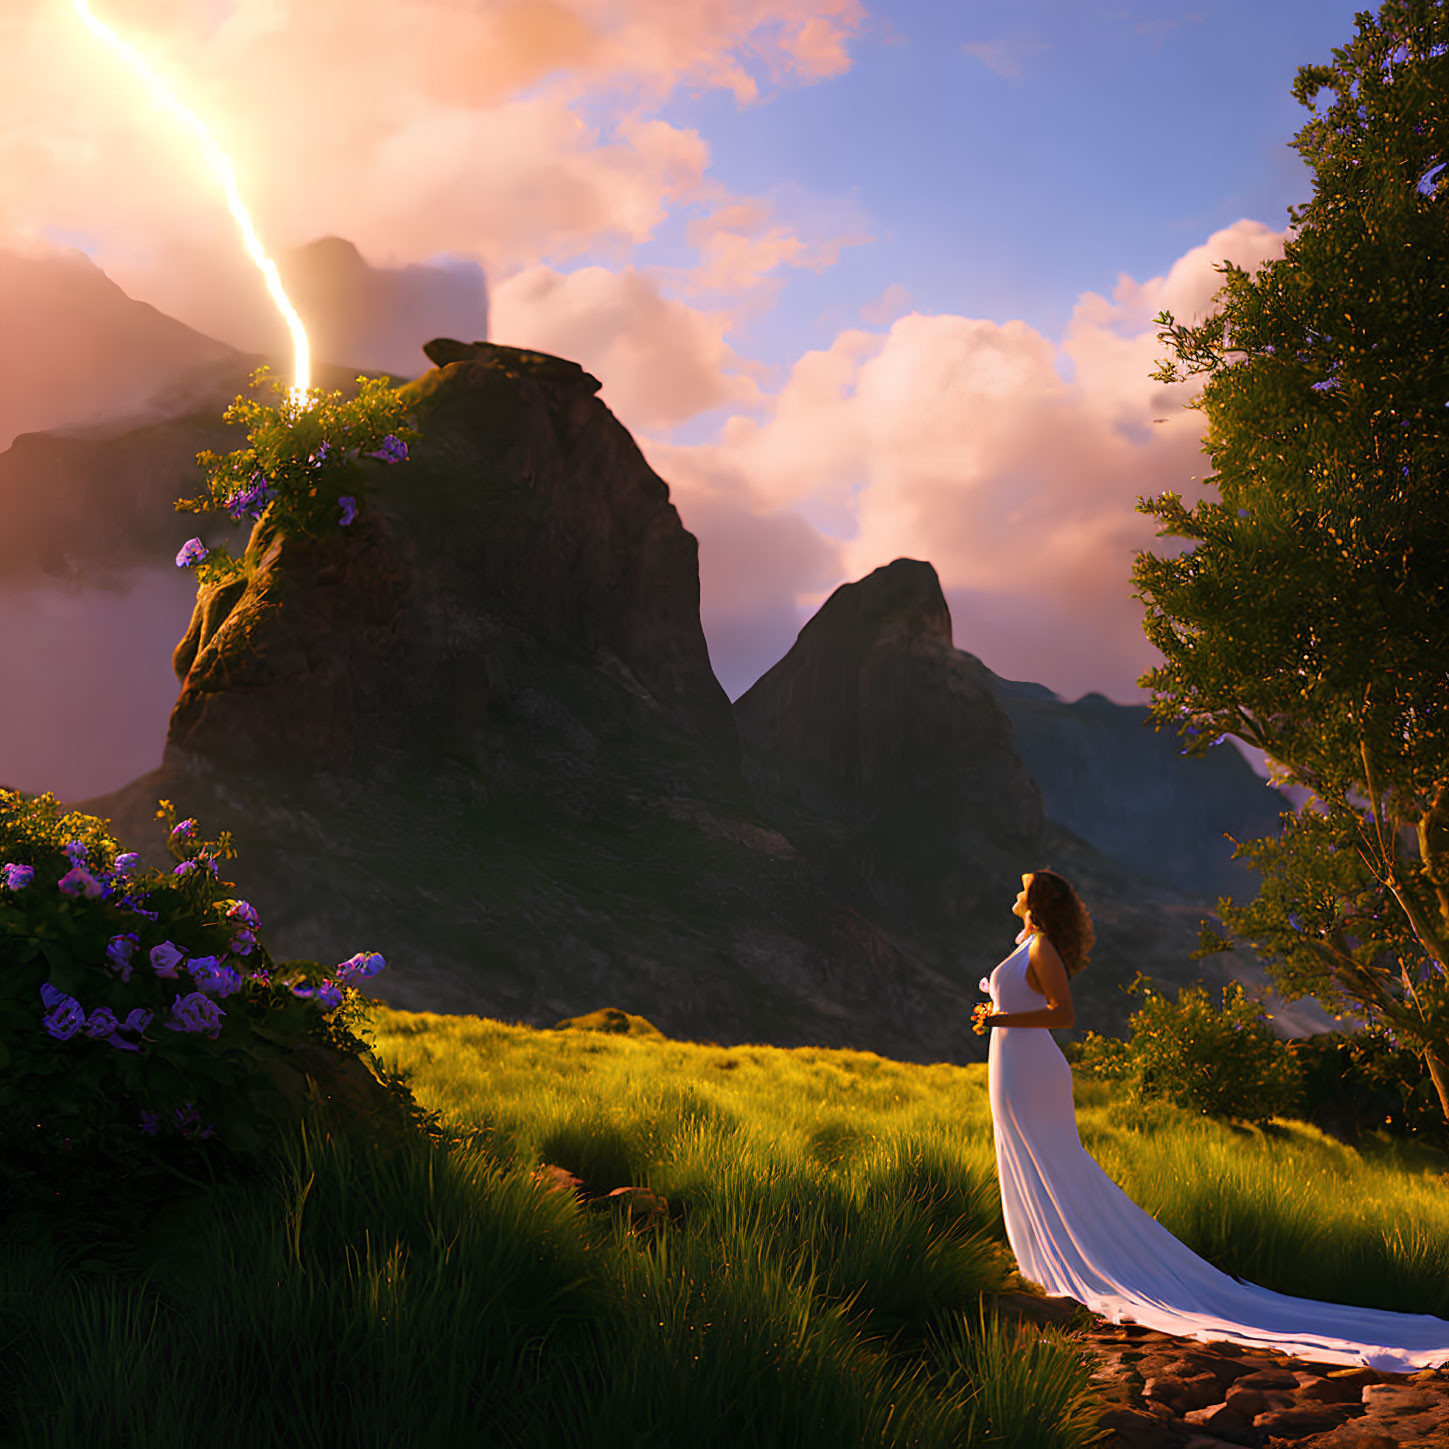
column 1076, row 1233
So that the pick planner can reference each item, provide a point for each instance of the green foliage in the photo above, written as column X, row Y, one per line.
column 300, row 459
column 1221, row 1060
column 1368, row 1081
column 434, row 1292
column 121, row 1077
column 1307, row 614
column 999, row 1367
column 727, row 1134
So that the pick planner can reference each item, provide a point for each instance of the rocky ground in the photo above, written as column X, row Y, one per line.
column 1163, row 1392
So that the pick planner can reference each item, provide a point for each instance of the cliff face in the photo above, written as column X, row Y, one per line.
column 526, row 533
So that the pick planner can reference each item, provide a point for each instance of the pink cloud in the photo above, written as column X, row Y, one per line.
column 957, row 440
column 437, row 127
column 660, row 361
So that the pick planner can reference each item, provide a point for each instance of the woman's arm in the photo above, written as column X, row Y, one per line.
column 1051, row 976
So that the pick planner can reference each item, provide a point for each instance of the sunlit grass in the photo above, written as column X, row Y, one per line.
column 823, row 1276
column 1289, row 1207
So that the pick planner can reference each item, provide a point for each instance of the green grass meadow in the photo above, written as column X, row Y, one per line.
column 824, row 1275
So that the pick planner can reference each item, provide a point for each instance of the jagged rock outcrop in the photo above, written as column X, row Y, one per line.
column 878, row 730
column 892, row 760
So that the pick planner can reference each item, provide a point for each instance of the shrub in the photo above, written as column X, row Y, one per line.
column 141, row 1019
column 1368, row 1080
column 1221, row 1060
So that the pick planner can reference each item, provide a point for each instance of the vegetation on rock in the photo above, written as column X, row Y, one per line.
column 300, row 468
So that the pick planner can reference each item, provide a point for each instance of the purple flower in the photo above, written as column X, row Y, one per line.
column 193, row 551
column 65, row 1016
column 188, row 1121
column 17, row 877
column 196, row 1013
column 127, row 861
column 243, row 942
column 251, row 500
column 101, row 1022
column 133, row 904
column 320, row 456
column 120, row 951
column 184, row 830
column 392, row 449
column 79, row 881
column 261, row 976
column 212, row 977
column 326, row 995
column 135, row 1026
column 365, row 963
column 347, row 506
column 150, row 1123
column 165, row 958
column 245, row 913
column 75, row 852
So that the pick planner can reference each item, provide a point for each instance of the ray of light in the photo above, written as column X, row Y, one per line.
column 219, row 164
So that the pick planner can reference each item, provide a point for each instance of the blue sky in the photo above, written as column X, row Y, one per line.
column 1080, row 141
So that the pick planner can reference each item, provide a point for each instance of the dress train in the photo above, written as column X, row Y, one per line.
column 1076, row 1233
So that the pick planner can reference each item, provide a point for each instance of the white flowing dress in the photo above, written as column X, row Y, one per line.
column 1077, row 1234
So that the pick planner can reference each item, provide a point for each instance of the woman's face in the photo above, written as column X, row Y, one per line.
column 1019, row 909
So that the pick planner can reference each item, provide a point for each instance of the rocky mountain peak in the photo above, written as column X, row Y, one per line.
column 875, row 721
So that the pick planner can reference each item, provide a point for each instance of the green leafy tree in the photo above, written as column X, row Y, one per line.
column 1309, row 613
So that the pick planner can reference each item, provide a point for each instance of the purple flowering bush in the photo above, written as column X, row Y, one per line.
column 1222, row 1060
column 139, row 1008
column 305, row 469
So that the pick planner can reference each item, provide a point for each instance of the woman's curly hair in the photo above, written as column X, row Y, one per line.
column 1062, row 918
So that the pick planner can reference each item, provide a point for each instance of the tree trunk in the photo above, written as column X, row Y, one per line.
column 1439, row 1072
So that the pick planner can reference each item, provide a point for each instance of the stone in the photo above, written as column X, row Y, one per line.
column 1249, row 1401
column 1315, row 1390
column 1183, row 1394
column 1398, row 1399
column 1358, row 1434
column 1299, row 1421
column 1226, row 1420
column 643, row 1208
column 553, row 1178
column 1134, row 1429
column 1271, row 1378
column 1356, row 1377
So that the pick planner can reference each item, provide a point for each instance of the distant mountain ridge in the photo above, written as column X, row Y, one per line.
column 1110, row 777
